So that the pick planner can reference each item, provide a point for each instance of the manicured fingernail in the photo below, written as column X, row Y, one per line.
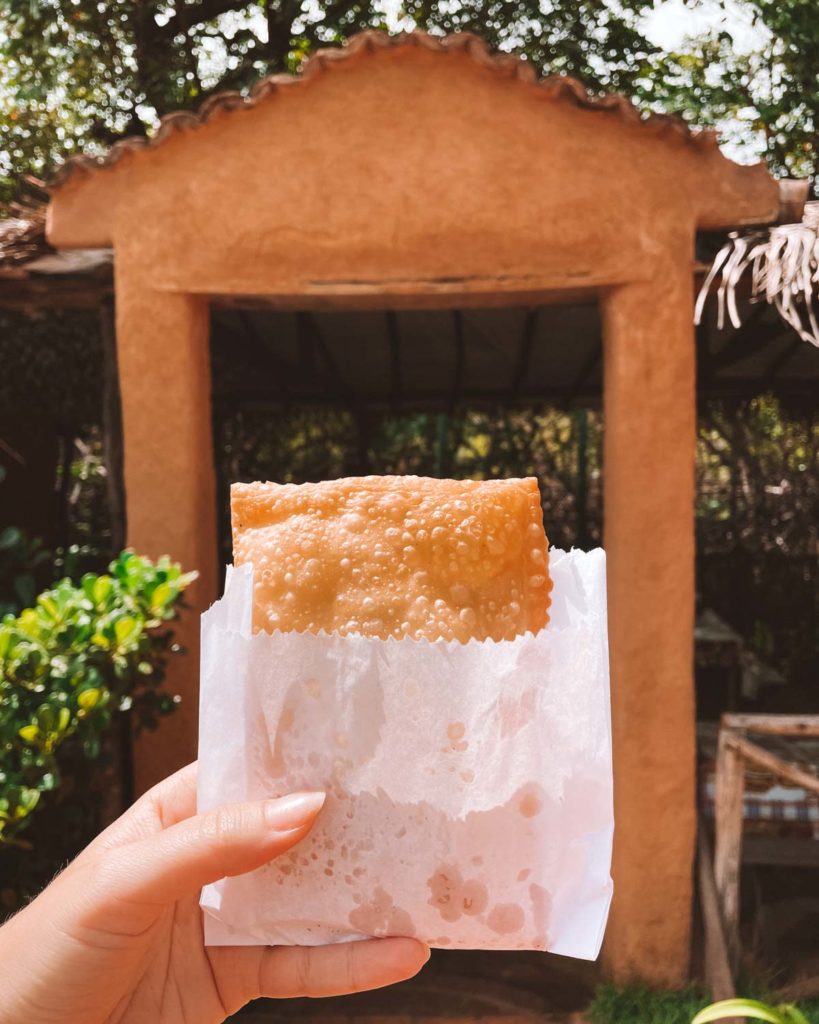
column 293, row 811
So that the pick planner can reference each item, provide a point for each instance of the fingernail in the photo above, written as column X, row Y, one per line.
column 293, row 811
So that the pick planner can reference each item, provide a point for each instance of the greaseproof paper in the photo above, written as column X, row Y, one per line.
column 469, row 787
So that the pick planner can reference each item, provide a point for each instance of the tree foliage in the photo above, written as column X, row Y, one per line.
column 78, row 75
column 764, row 96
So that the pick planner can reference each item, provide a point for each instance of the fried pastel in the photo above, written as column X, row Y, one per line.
column 395, row 556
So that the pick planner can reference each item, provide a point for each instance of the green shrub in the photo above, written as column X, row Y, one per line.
column 637, row 1004
column 73, row 661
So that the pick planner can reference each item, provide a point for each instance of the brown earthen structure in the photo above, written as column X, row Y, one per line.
column 417, row 172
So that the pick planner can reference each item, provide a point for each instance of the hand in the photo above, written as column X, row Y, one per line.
column 117, row 937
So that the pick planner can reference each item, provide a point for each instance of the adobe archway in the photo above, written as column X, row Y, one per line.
column 421, row 167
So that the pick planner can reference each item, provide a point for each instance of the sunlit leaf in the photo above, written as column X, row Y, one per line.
column 729, row 1008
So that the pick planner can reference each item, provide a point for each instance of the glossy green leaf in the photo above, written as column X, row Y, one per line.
column 28, row 800
column 125, row 629
column 102, row 589
column 88, row 699
column 162, row 595
column 46, row 718
column 49, row 605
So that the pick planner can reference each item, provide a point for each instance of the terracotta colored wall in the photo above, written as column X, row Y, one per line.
column 650, row 417
column 450, row 167
column 407, row 172
column 164, row 367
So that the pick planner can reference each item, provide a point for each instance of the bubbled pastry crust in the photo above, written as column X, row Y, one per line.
column 395, row 556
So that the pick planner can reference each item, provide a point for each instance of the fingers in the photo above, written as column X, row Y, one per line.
column 230, row 840
column 286, row 972
column 171, row 800
column 290, row 971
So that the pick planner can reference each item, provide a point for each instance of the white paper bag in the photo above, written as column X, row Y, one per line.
column 469, row 785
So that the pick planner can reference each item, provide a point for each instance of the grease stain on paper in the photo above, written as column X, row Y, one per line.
column 381, row 917
column 453, row 896
column 506, row 918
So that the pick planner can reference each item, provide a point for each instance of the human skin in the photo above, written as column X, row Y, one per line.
column 117, row 938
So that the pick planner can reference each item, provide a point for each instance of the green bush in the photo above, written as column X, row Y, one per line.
column 637, row 1004
column 82, row 654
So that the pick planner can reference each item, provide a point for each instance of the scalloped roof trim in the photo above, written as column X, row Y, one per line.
column 503, row 64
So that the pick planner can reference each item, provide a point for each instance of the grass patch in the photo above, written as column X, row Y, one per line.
column 810, row 1008
column 636, row 1004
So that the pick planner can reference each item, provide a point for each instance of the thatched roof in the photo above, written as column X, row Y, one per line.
column 22, row 238
column 35, row 276
column 781, row 264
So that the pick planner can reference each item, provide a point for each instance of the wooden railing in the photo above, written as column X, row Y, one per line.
column 719, row 889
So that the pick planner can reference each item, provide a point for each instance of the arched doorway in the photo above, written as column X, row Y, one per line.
column 424, row 173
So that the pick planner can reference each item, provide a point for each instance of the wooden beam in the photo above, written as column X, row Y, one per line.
column 112, row 442
column 781, row 361
column 744, row 748
column 734, row 750
column 777, row 725
column 781, row 851
column 305, row 339
column 247, row 345
column 418, row 296
column 717, row 965
column 421, row 401
column 337, row 385
column 276, row 366
column 460, row 361
column 334, row 379
column 394, row 341
column 754, row 334
column 730, row 788
column 749, row 387
column 527, row 340
column 586, row 370
column 32, row 296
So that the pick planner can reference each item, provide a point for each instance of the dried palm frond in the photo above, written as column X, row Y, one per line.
column 21, row 239
column 22, row 228
column 784, row 265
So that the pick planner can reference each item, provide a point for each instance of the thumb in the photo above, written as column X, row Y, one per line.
column 229, row 840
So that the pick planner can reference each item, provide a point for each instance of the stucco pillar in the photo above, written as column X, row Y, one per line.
column 164, row 369
column 650, row 417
